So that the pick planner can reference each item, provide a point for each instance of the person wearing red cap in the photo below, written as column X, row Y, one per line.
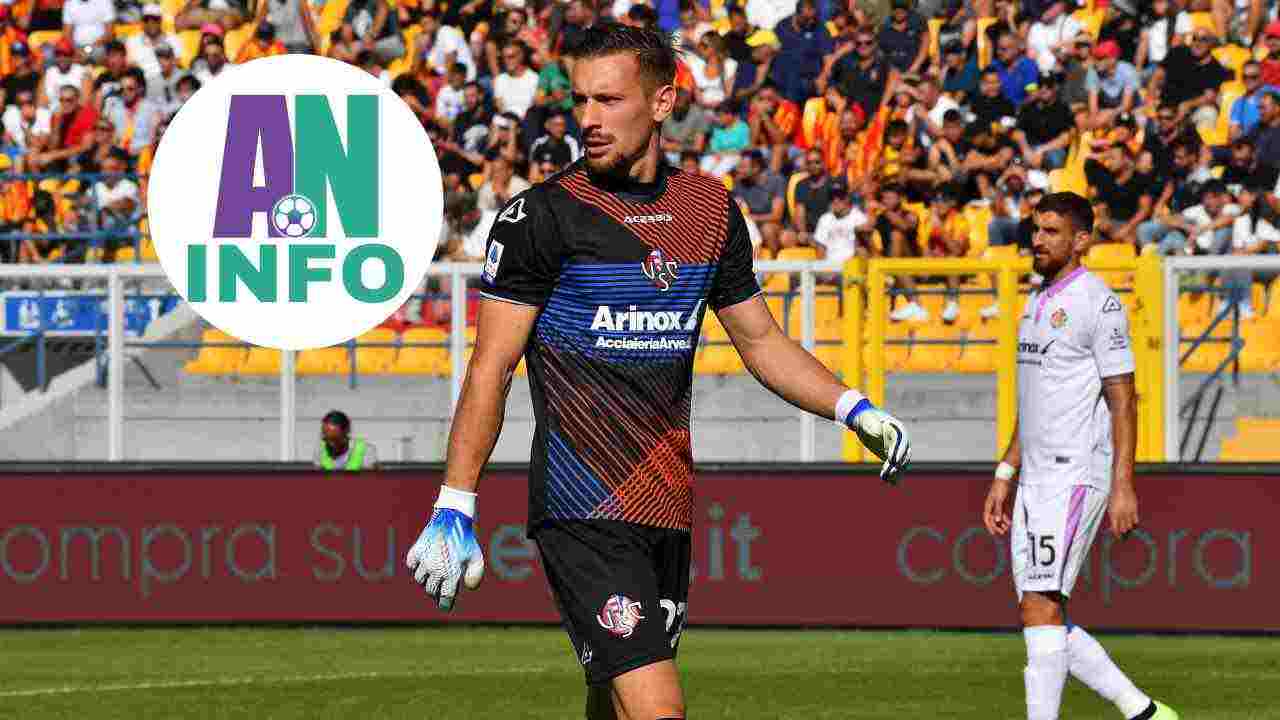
column 1271, row 63
column 1112, row 84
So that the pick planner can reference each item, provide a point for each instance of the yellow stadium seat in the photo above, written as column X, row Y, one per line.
column 804, row 254
column 233, row 41
column 1000, row 252
column 895, row 355
column 261, row 361
column 979, row 219
column 792, row 182
column 331, row 16
column 935, row 34
column 1233, row 58
column 711, row 327
column 324, row 361
column 985, row 50
column 826, row 310
column 190, row 40
column 978, row 358
column 1256, row 440
column 777, row 287
column 971, row 306
column 1203, row 21
column 125, row 30
column 934, row 358
column 1261, row 352
column 216, row 360
column 376, row 360
column 1220, row 133
column 126, row 254
column 1090, row 20
column 423, row 360
column 1273, row 301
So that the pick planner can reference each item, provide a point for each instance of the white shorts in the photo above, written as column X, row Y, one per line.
column 1053, row 528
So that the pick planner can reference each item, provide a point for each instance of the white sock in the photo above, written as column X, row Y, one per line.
column 1092, row 666
column 1046, row 672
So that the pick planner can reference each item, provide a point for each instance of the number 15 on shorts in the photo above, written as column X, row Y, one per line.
column 1042, row 549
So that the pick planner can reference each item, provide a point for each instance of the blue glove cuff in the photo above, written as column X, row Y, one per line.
column 851, row 419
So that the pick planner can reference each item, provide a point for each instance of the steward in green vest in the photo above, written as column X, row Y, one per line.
column 338, row 450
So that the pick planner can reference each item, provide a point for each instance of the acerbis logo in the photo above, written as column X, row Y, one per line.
column 620, row 615
column 295, row 202
column 644, row 219
column 661, row 272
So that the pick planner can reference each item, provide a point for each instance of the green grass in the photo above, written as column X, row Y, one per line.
column 479, row 673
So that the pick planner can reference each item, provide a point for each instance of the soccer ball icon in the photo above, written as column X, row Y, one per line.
column 294, row 216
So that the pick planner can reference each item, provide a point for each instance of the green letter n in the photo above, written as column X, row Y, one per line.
column 352, row 173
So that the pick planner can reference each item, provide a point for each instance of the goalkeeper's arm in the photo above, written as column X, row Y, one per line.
column 786, row 368
column 502, row 330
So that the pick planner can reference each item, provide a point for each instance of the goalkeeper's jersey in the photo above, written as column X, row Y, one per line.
column 623, row 275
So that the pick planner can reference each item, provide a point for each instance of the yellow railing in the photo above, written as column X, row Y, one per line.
column 867, row 317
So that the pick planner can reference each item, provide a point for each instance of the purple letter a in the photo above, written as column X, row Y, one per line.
column 253, row 117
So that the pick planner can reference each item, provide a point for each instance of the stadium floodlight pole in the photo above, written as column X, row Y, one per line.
column 115, row 365
column 288, row 403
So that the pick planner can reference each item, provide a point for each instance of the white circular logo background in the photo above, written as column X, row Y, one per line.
column 242, row 144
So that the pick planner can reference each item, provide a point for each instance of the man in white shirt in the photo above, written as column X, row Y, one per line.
column 451, row 99
column 515, row 89
column 444, row 45
column 1202, row 229
column 65, row 71
column 118, row 200
column 1074, row 447
column 162, row 86
column 836, row 236
column 25, row 122
column 1053, row 33
column 142, row 46
column 88, row 21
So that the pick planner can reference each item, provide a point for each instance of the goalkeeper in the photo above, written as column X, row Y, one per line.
column 600, row 278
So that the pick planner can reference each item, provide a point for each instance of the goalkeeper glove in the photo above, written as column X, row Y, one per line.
column 447, row 550
column 879, row 431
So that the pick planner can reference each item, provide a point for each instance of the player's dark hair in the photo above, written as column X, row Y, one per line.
column 337, row 418
column 652, row 50
column 646, row 16
column 1071, row 206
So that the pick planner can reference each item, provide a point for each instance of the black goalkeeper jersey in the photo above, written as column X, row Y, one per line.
column 623, row 276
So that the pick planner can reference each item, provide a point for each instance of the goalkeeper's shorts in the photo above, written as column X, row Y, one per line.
column 621, row 590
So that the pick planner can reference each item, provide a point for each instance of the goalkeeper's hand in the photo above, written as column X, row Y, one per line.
column 447, row 551
column 884, row 435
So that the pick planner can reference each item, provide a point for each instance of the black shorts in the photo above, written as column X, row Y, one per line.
column 621, row 589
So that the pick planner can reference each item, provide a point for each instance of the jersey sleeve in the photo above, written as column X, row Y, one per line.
column 523, row 254
column 735, row 279
column 1112, row 346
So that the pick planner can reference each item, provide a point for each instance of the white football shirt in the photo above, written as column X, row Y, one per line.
column 1071, row 336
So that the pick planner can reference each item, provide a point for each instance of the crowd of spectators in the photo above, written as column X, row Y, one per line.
column 869, row 128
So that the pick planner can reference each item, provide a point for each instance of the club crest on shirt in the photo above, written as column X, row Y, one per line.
column 620, row 615
column 1059, row 319
column 661, row 272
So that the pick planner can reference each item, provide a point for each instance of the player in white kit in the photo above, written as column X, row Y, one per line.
column 1073, row 452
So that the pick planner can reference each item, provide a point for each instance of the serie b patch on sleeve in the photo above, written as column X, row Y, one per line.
column 491, row 261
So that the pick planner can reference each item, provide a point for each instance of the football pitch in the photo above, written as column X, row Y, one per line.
column 491, row 672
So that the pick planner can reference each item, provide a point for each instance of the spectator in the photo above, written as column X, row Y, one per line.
column 1164, row 133
column 451, row 99
column 500, row 185
column 1052, row 36
column 545, row 164
column 1182, row 190
column 162, row 85
column 26, row 125
column 1159, row 37
column 22, row 76
column 563, row 147
column 736, row 40
column 812, row 194
column 107, row 84
column 804, row 44
column 199, row 14
column 929, row 109
column 407, row 87
column 73, row 128
column 443, row 45
column 212, row 63
column 1202, row 229
column 1189, row 79
column 948, row 237
column 992, row 105
column 1124, row 195
column 1271, row 59
column 262, row 41
column 1245, row 113
column 861, row 75
column 376, row 27
column 133, row 115
column 294, row 25
column 686, row 128
column 64, row 71
column 338, row 450
column 836, row 235
column 1044, row 127
column 141, row 47
column 1266, row 136
column 368, row 61
column 515, row 89
column 773, row 121
column 1112, row 84
column 898, row 227
column 43, row 220
column 711, row 70
column 903, row 38
column 118, row 201
column 1015, row 70
column 1075, row 67
column 88, row 24
column 1012, row 203
column 764, row 192
column 960, row 74
column 759, row 68
column 729, row 139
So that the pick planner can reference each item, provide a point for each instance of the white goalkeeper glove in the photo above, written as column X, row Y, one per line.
column 447, row 551
column 879, row 431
